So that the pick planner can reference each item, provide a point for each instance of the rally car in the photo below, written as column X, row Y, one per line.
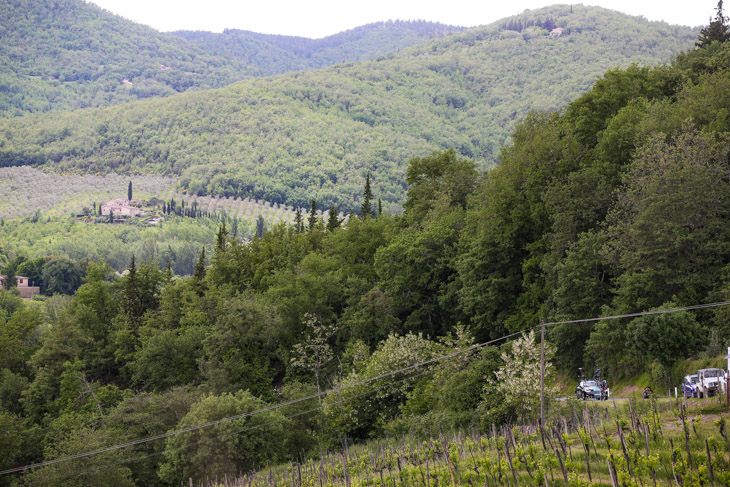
column 591, row 389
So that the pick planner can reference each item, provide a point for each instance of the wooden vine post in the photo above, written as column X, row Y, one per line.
column 542, row 372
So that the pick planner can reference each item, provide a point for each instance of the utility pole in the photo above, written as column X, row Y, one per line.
column 542, row 372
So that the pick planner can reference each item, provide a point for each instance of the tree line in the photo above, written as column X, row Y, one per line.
column 616, row 204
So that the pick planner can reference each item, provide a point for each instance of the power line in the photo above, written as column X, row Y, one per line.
column 348, row 386
column 338, row 401
column 258, row 411
column 643, row 313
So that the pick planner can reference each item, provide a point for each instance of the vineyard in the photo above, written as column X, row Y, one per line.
column 25, row 191
column 636, row 443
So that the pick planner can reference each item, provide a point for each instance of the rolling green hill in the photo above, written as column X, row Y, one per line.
column 60, row 55
column 315, row 134
column 277, row 54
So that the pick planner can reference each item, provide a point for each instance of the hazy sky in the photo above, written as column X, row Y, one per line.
column 319, row 18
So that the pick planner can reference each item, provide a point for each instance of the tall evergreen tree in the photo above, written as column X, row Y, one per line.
column 221, row 238
column 333, row 220
column 366, row 209
column 129, row 191
column 380, row 207
column 312, row 221
column 298, row 221
column 130, row 286
column 234, row 227
column 716, row 31
column 199, row 274
column 260, row 226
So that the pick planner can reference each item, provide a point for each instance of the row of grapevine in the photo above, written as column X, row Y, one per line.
column 597, row 445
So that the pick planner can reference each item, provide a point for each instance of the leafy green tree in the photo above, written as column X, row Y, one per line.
column 146, row 415
column 9, row 304
column 11, row 281
column 351, row 412
column 103, row 469
column 241, row 349
column 665, row 337
column 437, row 177
column 371, row 320
column 668, row 234
column 33, row 270
column 227, row 448
column 20, row 445
column 416, row 271
column 61, row 276
column 19, row 339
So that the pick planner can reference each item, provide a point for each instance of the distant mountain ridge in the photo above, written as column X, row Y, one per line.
column 315, row 134
column 291, row 53
column 58, row 55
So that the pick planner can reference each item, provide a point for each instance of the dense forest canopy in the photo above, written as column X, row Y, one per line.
column 276, row 54
column 617, row 203
column 315, row 134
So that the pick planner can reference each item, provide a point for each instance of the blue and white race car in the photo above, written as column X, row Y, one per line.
column 591, row 389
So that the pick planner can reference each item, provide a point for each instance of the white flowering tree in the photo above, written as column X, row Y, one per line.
column 366, row 402
column 315, row 352
column 518, row 380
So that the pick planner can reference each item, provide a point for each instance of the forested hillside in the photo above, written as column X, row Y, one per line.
column 315, row 134
column 59, row 55
column 70, row 54
column 617, row 204
column 276, row 54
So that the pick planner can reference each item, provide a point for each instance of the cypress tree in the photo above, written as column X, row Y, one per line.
column 234, row 227
column 366, row 209
column 221, row 238
column 199, row 274
column 332, row 219
column 260, row 226
column 312, row 221
column 129, row 191
column 380, row 207
column 298, row 221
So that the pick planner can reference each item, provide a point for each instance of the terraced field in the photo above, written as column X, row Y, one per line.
column 25, row 190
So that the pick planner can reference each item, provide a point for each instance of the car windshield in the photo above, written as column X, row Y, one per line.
column 693, row 379
column 590, row 383
column 712, row 373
